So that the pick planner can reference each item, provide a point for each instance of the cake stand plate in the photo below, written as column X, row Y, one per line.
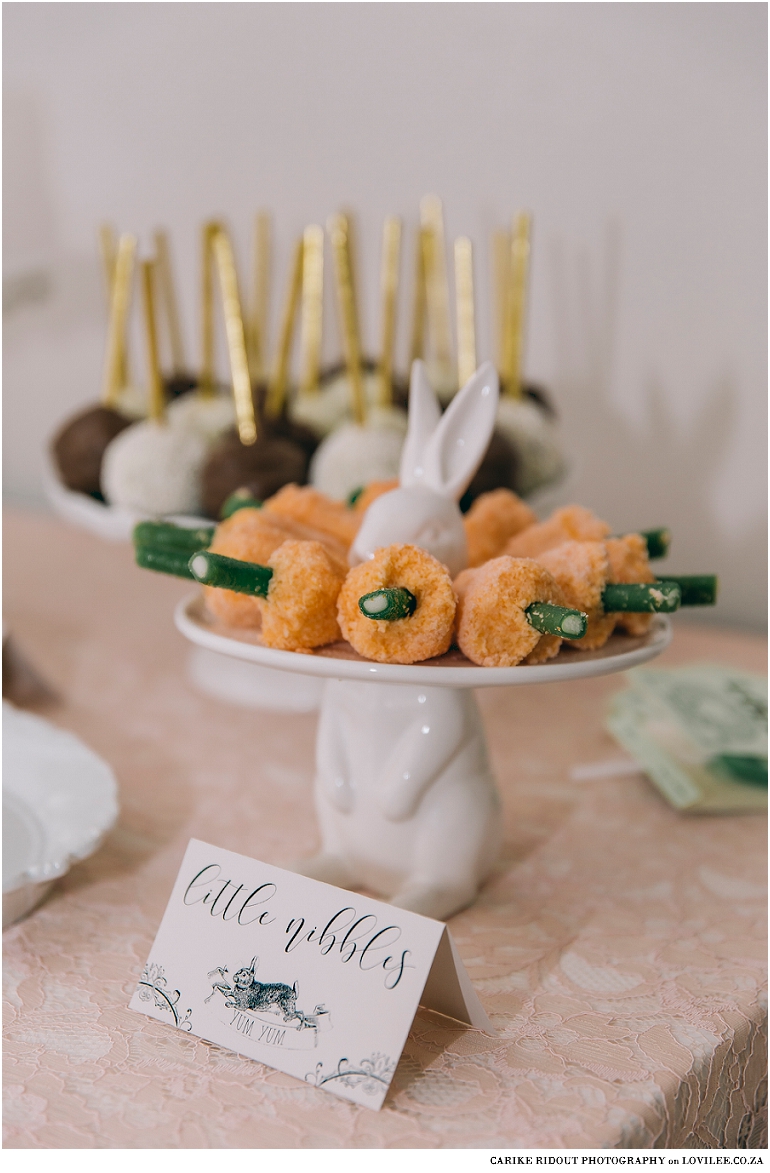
column 453, row 670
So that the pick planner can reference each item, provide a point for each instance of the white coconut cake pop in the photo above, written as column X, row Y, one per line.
column 157, row 468
column 209, row 416
column 355, row 454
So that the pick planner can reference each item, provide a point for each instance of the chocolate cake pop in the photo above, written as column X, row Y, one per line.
column 270, row 388
column 259, row 461
column 79, row 445
column 262, row 468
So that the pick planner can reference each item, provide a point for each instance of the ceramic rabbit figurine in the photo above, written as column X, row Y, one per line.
column 439, row 458
column 406, row 800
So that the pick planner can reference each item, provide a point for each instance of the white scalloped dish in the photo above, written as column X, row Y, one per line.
column 105, row 521
column 59, row 802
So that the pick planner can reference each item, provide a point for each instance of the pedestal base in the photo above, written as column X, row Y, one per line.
column 253, row 686
column 406, row 800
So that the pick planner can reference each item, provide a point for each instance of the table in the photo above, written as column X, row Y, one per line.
column 619, row 948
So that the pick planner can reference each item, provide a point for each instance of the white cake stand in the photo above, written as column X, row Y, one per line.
column 405, row 797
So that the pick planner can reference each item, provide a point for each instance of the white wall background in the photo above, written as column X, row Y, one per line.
column 636, row 133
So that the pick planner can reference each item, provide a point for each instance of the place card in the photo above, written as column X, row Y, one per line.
column 313, row 980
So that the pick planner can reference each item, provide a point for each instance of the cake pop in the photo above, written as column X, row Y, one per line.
column 259, row 463
column 78, row 447
column 369, row 446
column 152, row 468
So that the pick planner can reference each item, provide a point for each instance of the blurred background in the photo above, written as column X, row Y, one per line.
column 635, row 133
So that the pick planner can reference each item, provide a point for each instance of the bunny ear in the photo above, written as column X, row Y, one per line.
column 424, row 415
column 457, row 447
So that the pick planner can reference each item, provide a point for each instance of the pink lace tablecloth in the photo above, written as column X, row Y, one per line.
column 619, row 949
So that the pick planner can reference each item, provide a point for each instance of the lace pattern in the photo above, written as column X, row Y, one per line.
column 619, row 949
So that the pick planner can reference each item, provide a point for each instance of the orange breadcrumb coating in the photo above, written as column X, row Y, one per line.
column 572, row 523
column 372, row 491
column 421, row 636
column 300, row 611
column 252, row 535
column 582, row 571
column 491, row 521
column 492, row 627
column 629, row 562
column 312, row 508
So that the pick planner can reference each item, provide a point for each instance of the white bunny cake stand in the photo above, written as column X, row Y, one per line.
column 406, row 800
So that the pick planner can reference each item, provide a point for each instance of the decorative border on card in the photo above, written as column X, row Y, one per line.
column 153, row 984
column 370, row 1076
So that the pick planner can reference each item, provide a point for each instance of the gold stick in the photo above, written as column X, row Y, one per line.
column 258, row 349
column 501, row 267
column 419, row 308
column 466, row 320
column 107, row 248
column 517, row 302
column 432, row 217
column 391, row 255
column 236, row 336
column 312, row 307
column 280, row 377
column 107, row 252
column 352, row 247
column 157, row 410
column 338, row 232
column 165, row 277
column 208, row 335
column 118, row 321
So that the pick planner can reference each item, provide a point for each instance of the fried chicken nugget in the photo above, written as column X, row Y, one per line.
column 492, row 520
column 300, row 611
column 572, row 523
column 421, row 636
column 492, row 628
